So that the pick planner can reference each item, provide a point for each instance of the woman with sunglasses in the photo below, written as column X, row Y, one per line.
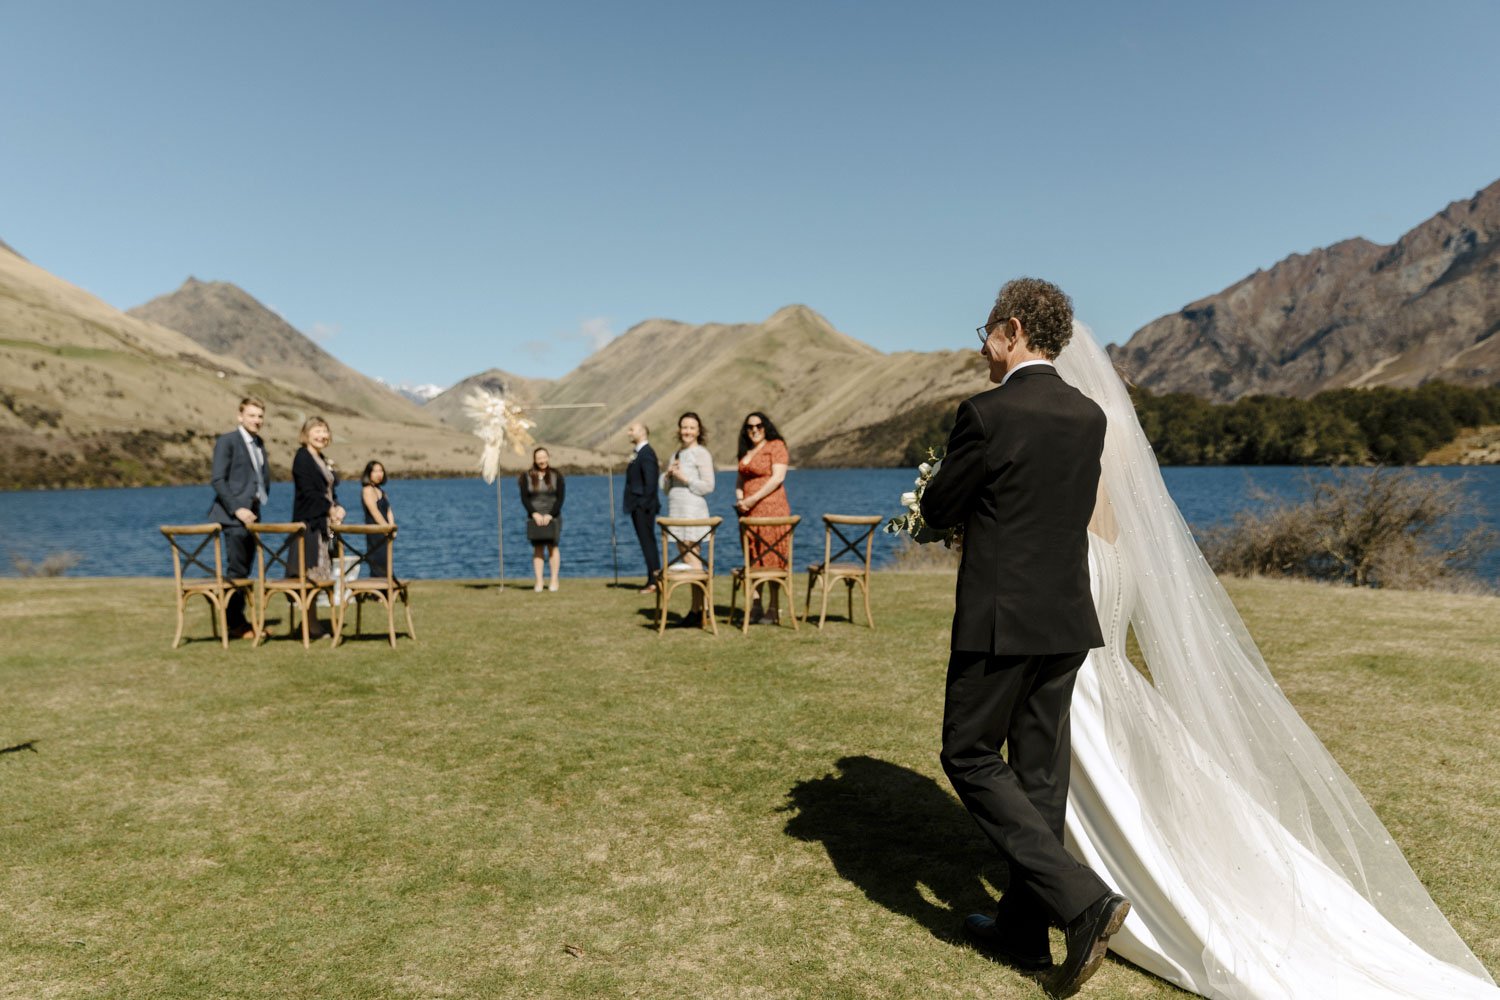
column 760, row 492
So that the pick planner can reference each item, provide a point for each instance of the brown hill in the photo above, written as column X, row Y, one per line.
column 1352, row 314
column 229, row 321
column 90, row 396
column 824, row 389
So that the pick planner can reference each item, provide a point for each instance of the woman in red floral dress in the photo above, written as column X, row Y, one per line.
column 759, row 493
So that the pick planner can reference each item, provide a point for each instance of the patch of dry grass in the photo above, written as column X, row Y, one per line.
column 545, row 799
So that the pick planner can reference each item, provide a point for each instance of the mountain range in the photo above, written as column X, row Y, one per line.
column 90, row 395
column 1354, row 314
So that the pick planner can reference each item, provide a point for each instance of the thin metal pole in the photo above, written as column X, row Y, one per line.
column 500, row 523
column 614, row 552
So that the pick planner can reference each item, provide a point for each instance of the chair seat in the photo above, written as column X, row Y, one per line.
column 296, row 586
column 837, row 569
column 685, row 574
column 375, row 585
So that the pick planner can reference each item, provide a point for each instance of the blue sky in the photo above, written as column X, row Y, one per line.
column 435, row 189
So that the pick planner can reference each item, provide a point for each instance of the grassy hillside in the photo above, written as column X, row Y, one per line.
column 596, row 811
column 819, row 385
column 90, row 396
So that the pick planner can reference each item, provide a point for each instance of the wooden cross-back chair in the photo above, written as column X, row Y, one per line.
column 277, row 545
column 352, row 546
column 678, row 531
column 760, row 537
column 852, row 531
column 195, row 577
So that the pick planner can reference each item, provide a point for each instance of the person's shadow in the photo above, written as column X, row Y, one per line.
column 893, row 832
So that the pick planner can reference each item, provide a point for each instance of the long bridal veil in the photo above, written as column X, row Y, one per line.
column 1251, row 808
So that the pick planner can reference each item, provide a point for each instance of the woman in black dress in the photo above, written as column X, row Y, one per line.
column 542, row 496
column 314, row 503
column 377, row 511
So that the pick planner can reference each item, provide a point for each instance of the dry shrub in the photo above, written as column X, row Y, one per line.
column 57, row 564
column 1376, row 529
column 911, row 557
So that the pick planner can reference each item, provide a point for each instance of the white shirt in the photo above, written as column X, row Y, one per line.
column 257, row 459
column 638, row 447
column 1025, row 364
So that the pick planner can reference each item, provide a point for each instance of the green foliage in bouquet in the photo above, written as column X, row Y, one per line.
column 911, row 522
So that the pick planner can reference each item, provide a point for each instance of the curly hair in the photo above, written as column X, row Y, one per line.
column 1045, row 312
column 772, row 434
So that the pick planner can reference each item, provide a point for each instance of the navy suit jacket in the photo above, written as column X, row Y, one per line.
column 233, row 478
column 642, row 486
column 1022, row 475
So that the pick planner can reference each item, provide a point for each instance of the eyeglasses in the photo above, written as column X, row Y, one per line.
column 984, row 331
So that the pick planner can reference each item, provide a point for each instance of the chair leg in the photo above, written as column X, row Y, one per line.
column 849, row 591
column 359, row 607
column 708, row 607
column 336, row 613
column 307, row 609
column 791, row 601
column 390, row 618
column 807, row 611
column 663, row 591
column 823, row 613
column 411, row 629
column 865, row 586
column 258, row 620
column 734, row 596
column 221, row 618
column 181, row 613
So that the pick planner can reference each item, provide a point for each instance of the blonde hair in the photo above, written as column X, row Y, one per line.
column 252, row 401
column 309, row 424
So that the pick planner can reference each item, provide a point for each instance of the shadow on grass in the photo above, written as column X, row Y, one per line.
column 893, row 833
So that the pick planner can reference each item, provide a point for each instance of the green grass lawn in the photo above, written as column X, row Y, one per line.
column 543, row 798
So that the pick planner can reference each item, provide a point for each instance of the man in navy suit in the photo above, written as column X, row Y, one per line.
column 1021, row 476
column 242, row 484
column 643, row 499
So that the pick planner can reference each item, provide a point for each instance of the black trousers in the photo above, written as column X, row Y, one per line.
column 1019, row 804
column 645, row 532
column 239, row 556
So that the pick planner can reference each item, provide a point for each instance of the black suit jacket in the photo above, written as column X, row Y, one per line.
column 642, row 489
column 1022, row 476
column 233, row 478
column 310, row 499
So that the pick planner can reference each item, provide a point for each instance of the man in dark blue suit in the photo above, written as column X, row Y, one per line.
column 643, row 499
column 242, row 484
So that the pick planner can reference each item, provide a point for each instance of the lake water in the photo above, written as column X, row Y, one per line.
column 448, row 525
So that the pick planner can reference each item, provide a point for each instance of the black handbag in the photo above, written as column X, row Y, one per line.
column 548, row 532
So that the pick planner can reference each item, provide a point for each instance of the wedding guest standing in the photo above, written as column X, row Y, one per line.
column 315, row 504
column 689, row 480
column 760, row 492
column 241, row 480
column 377, row 511
column 643, row 499
column 542, row 492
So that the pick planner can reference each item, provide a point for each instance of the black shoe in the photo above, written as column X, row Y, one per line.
column 1027, row 950
column 693, row 619
column 1087, row 936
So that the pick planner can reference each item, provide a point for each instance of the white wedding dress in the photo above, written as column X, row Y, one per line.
column 1254, row 866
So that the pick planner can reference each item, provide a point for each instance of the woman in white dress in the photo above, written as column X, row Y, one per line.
column 1254, row 866
column 688, row 480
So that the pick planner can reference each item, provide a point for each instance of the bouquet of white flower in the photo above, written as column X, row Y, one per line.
column 911, row 523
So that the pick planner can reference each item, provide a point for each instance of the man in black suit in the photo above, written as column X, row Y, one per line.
column 1021, row 476
column 242, row 484
column 643, row 499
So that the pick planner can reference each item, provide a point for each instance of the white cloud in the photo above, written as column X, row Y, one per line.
column 324, row 332
column 593, row 333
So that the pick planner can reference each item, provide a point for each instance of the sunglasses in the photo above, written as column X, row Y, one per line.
column 753, row 427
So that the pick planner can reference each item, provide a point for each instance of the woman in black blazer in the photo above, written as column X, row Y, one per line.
column 315, row 504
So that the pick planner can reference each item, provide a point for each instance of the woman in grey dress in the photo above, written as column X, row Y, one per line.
column 688, row 480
